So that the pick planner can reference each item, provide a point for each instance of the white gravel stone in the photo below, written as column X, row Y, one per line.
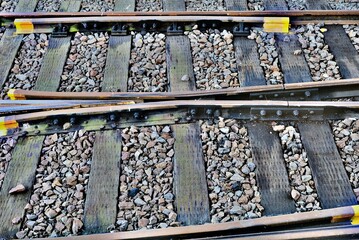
column 348, row 146
column 233, row 193
column 297, row 4
column 55, row 207
column 214, row 62
column 48, row 6
column 6, row 147
column 8, row 5
column 344, row 4
column 268, row 55
column 2, row 30
column 303, row 187
column 148, row 5
column 97, row 6
column 27, row 64
column 146, row 199
column 148, row 69
column 353, row 33
column 255, row 5
column 205, row 5
column 85, row 64
column 320, row 60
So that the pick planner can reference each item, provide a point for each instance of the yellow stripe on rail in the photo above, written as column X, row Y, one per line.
column 276, row 24
column 24, row 26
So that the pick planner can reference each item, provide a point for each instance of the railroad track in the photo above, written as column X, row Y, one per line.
column 240, row 61
column 200, row 123
column 101, row 166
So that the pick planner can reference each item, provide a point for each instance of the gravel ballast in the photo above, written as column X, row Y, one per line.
column 6, row 147
column 214, row 62
column 57, row 202
column 296, row 4
column 346, row 134
column 27, row 63
column 255, row 5
column 268, row 56
column 344, row 4
column 231, row 179
column 48, row 6
column 321, row 62
column 2, row 30
column 149, row 6
column 301, row 180
column 205, row 5
column 353, row 33
column 148, row 68
column 146, row 181
column 84, row 68
column 8, row 5
column 97, row 6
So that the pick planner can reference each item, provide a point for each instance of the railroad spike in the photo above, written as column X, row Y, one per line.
column 112, row 117
column 193, row 111
column 137, row 115
column 55, row 121
column 217, row 113
column 72, row 120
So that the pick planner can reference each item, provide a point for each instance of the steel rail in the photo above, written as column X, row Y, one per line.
column 42, row 22
column 174, row 105
column 11, row 107
column 289, row 13
column 325, row 232
column 187, row 19
column 25, row 94
column 221, row 229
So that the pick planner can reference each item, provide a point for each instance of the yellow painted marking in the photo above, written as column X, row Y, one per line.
column 11, row 94
column 276, row 24
column 355, row 218
column 23, row 26
column 7, row 124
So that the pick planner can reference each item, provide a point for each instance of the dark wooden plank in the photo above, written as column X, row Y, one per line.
column 70, row 6
column 250, row 72
column 125, row 5
column 190, row 185
column 236, row 5
column 275, row 5
column 56, row 55
column 21, row 170
column 117, row 64
column 271, row 171
column 102, row 193
column 179, row 63
column 174, row 5
column 343, row 50
column 9, row 45
column 295, row 68
column 118, row 56
column 330, row 177
column 26, row 6
column 53, row 64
